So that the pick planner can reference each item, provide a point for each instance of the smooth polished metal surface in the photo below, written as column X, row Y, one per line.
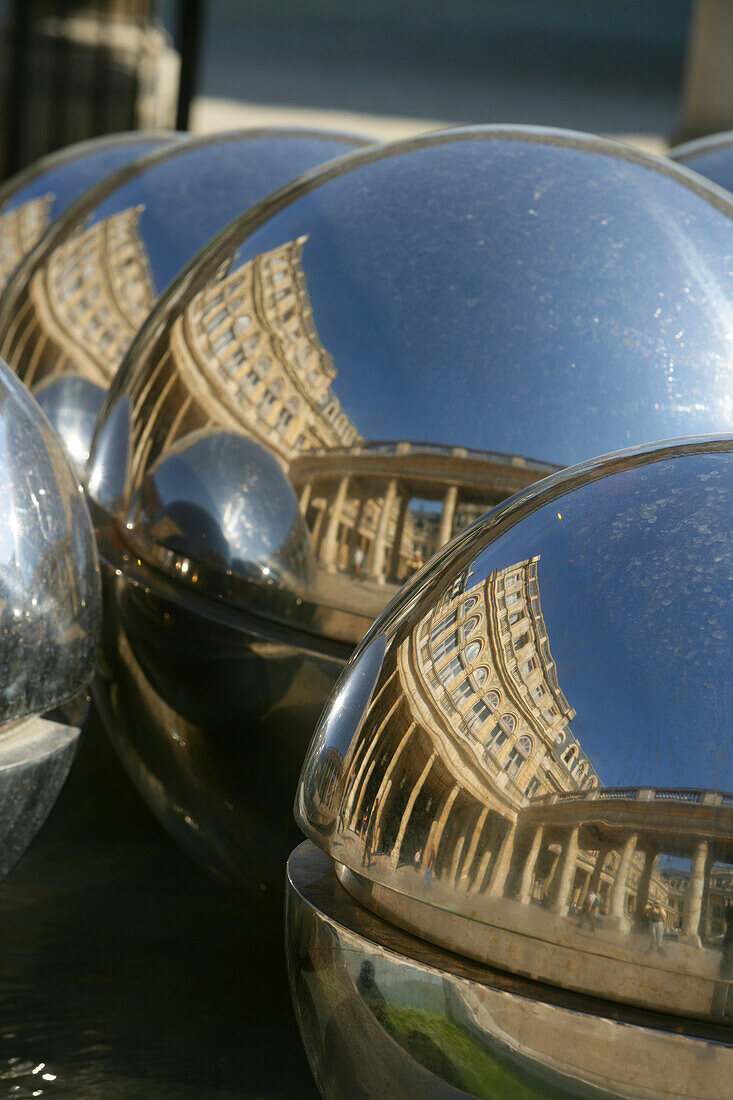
column 528, row 760
column 35, row 757
column 50, row 616
column 31, row 200
column 401, row 330
column 49, row 579
column 382, row 1013
column 710, row 156
column 494, row 293
column 74, row 306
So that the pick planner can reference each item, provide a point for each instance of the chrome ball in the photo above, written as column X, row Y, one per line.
column 31, row 200
column 75, row 304
column 50, row 616
column 711, row 157
column 527, row 764
column 402, row 329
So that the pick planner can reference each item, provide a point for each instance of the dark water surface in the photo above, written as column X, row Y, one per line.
column 127, row 972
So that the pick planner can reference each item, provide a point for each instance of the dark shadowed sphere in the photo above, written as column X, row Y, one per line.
column 711, row 157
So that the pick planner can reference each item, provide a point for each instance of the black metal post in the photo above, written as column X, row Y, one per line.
column 19, row 46
column 190, row 20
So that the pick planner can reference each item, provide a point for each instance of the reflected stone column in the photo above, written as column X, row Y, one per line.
column 399, row 531
column 583, row 894
column 376, row 571
column 447, row 515
column 329, row 548
column 387, row 777
column 525, row 887
column 436, row 833
column 317, row 525
column 501, row 867
column 409, row 808
column 568, row 861
column 357, row 531
column 466, row 875
column 305, row 497
column 617, row 909
column 645, row 881
column 595, row 878
column 693, row 898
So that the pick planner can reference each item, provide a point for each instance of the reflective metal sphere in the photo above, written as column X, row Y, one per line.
column 401, row 330
column 50, row 615
column 528, row 760
column 73, row 308
column 711, row 157
column 35, row 197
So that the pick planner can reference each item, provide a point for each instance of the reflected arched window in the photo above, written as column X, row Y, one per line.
column 500, row 731
column 470, row 625
column 480, row 676
column 517, row 755
column 524, row 744
column 472, row 651
column 461, row 691
column 469, row 603
column 492, row 699
column 569, row 756
column 580, row 772
column 560, row 737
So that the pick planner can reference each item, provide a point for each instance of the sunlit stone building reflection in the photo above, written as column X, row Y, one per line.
column 245, row 355
column 20, row 229
column 85, row 304
column 467, row 768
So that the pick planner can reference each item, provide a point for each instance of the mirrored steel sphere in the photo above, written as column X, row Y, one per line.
column 403, row 330
column 31, row 200
column 73, row 308
column 528, row 760
column 711, row 157
column 50, row 615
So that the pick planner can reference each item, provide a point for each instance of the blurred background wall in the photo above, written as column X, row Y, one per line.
column 647, row 69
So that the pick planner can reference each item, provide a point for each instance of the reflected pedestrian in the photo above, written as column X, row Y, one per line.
column 654, row 913
column 589, row 913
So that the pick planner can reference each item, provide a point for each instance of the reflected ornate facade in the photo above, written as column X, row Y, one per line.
column 20, row 229
column 474, row 723
column 86, row 303
column 245, row 356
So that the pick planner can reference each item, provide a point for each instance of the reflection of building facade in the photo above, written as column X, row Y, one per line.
column 20, row 230
column 717, row 894
column 474, row 723
column 246, row 356
column 467, row 752
column 363, row 499
column 84, row 305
